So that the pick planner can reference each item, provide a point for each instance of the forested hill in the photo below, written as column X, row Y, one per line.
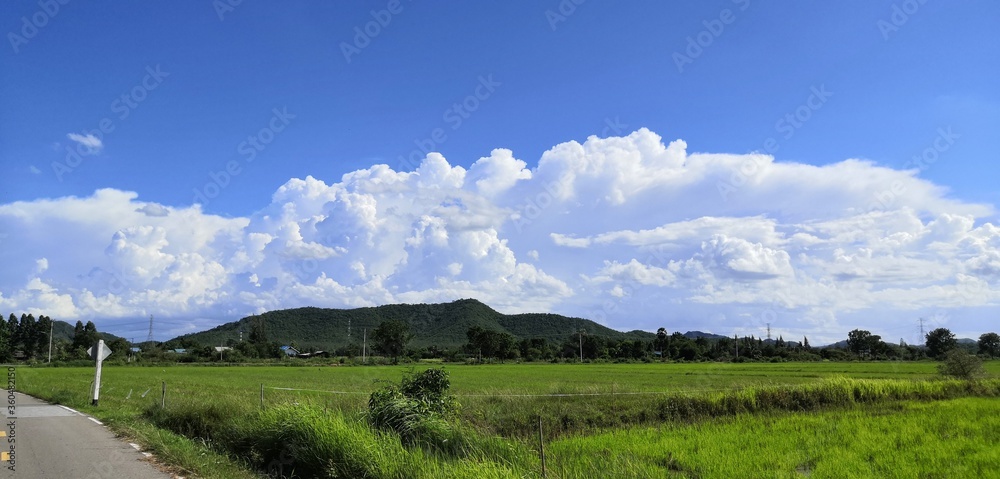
column 443, row 325
column 61, row 330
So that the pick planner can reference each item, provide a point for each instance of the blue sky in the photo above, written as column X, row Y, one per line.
column 897, row 76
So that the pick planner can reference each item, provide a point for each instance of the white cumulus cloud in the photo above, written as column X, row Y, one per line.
column 91, row 142
column 631, row 231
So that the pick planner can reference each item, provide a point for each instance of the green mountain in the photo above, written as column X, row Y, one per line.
column 443, row 325
column 64, row 330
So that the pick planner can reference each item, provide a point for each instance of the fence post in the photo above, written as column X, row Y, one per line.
column 262, row 396
column 541, row 444
column 163, row 396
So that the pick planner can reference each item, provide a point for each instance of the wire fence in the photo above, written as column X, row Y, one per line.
column 514, row 395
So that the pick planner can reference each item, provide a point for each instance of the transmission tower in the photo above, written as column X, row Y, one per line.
column 768, row 331
column 922, row 334
column 150, row 337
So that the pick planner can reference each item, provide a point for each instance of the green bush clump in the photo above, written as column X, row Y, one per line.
column 958, row 363
column 417, row 409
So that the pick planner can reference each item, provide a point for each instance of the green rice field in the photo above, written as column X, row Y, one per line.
column 824, row 419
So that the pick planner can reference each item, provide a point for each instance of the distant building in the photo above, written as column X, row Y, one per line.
column 290, row 351
column 176, row 351
column 220, row 349
column 316, row 354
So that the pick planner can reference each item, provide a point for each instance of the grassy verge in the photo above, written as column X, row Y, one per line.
column 305, row 441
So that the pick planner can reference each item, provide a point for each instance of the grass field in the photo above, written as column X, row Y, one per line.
column 957, row 438
column 604, row 415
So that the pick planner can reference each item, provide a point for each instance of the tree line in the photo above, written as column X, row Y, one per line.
column 27, row 339
column 483, row 344
column 24, row 338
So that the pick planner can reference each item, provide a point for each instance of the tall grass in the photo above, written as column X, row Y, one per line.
column 302, row 440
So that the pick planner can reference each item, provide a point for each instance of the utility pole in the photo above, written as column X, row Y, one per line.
column 737, row 345
column 364, row 346
column 50, row 339
column 580, row 333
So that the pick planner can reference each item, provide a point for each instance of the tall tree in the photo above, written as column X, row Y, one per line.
column 29, row 336
column 989, row 345
column 6, row 352
column 258, row 330
column 86, row 336
column 860, row 341
column 491, row 344
column 12, row 327
column 17, row 332
column 661, row 339
column 939, row 342
column 44, row 334
column 390, row 337
column 79, row 338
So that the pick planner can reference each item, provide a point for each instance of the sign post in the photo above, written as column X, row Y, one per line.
column 99, row 353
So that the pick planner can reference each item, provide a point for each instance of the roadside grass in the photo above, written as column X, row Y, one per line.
column 188, row 457
column 213, row 424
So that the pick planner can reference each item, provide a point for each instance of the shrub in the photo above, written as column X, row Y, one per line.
column 958, row 363
column 417, row 409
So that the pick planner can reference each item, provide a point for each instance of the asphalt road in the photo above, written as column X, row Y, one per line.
column 53, row 441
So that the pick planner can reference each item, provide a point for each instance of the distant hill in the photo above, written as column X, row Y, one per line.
column 843, row 344
column 699, row 334
column 443, row 325
column 838, row 345
column 64, row 330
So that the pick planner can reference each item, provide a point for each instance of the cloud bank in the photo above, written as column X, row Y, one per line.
column 630, row 231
